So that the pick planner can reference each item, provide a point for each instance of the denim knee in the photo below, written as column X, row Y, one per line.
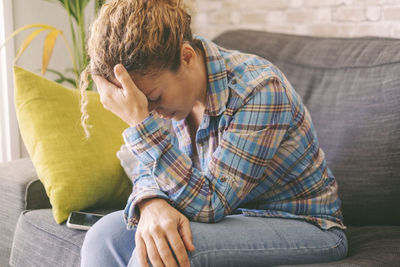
column 108, row 243
column 90, row 245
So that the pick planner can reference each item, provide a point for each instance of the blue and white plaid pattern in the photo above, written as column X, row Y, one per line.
column 258, row 151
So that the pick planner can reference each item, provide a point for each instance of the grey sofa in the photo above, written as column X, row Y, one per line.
column 352, row 89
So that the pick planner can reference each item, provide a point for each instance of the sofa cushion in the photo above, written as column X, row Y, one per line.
column 37, row 232
column 36, row 197
column 352, row 90
column 40, row 241
column 369, row 246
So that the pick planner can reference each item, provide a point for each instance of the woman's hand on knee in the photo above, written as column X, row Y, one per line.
column 162, row 232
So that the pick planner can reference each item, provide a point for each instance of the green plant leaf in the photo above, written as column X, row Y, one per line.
column 97, row 5
column 71, row 81
column 56, row 72
column 62, row 78
column 69, row 70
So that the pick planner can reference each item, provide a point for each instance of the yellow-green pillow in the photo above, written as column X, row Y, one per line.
column 77, row 174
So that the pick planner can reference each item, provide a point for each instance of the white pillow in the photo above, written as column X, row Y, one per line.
column 128, row 160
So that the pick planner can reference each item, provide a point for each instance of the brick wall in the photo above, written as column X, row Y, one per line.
column 343, row 18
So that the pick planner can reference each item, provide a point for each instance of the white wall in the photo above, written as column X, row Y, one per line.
column 9, row 146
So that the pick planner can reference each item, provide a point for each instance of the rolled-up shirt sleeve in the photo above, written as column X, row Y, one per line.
column 144, row 187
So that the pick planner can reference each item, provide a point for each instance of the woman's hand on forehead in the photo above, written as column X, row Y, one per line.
column 127, row 102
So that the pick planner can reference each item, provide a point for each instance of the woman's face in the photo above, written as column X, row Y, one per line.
column 174, row 94
column 171, row 95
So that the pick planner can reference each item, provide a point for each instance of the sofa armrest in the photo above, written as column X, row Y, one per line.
column 20, row 189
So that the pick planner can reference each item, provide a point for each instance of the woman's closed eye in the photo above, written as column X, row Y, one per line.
column 154, row 100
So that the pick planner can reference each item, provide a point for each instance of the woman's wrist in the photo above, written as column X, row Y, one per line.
column 150, row 202
column 139, row 118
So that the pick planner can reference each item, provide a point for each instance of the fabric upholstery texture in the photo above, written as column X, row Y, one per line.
column 352, row 90
column 54, row 244
column 36, row 197
column 14, row 178
column 76, row 173
column 369, row 246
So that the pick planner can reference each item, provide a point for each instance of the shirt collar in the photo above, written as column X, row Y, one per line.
column 217, row 88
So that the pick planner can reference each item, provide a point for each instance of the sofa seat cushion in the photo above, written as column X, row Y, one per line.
column 374, row 246
column 369, row 246
column 39, row 241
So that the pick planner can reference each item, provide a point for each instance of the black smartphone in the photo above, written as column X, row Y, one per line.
column 82, row 220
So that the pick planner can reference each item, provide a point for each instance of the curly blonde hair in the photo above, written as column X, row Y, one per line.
column 143, row 35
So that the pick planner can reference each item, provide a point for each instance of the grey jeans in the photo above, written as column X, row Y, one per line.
column 235, row 241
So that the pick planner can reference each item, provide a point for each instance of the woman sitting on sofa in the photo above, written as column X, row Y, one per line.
column 239, row 180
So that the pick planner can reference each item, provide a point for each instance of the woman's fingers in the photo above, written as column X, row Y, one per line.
column 186, row 235
column 178, row 247
column 152, row 252
column 164, row 250
column 141, row 252
column 102, row 84
column 125, row 79
column 106, row 89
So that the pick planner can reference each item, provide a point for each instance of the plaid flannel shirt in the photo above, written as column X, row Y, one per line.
column 258, row 151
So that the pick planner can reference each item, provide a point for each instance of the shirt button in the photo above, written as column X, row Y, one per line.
column 223, row 179
column 234, row 81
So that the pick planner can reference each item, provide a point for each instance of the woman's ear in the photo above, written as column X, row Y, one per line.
column 188, row 55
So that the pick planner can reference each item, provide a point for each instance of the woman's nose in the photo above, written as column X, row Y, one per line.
column 159, row 110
